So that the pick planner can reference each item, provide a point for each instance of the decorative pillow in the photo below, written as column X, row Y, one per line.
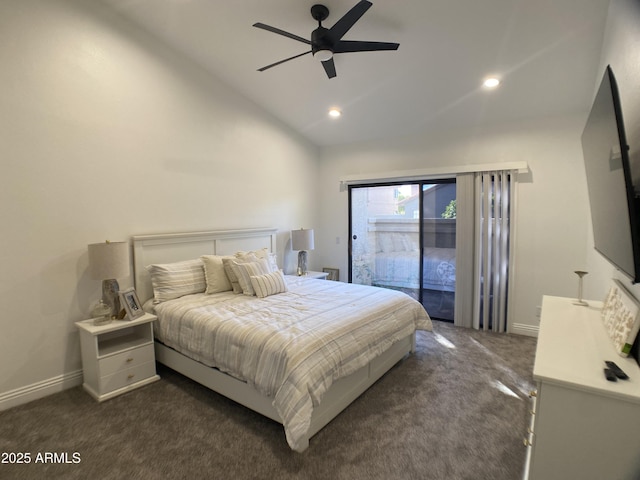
column 269, row 284
column 174, row 280
column 217, row 280
column 262, row 254
column 245, row 270
column 621, row 317
column 227, row 262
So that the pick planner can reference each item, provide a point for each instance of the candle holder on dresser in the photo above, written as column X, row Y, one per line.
column 580, row 301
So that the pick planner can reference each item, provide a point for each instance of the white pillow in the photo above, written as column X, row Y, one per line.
column 269, row 284
column 217, row 280
column 227, row 262
column 262, row 254
column 245, row 270
column 174, row 280
column 273, row 262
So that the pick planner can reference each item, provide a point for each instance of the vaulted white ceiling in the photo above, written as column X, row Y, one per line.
column 546, row 53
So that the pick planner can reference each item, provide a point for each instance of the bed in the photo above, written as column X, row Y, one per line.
column 298, row 352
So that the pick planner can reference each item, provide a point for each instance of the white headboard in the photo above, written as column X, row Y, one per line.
column 175, row 247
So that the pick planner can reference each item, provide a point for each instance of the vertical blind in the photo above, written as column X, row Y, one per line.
column 493, row 231
column 485, row 205
column 465, row 249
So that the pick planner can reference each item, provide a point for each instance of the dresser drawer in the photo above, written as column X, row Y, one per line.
column 125, row 360
column 129, row 376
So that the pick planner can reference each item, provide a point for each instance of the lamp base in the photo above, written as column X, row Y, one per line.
column 302, row 263
column 111, row 295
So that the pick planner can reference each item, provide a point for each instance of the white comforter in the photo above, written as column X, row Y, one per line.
column 291, row 346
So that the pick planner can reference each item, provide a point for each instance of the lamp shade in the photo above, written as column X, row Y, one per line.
column 109, row 260
column 302, row 239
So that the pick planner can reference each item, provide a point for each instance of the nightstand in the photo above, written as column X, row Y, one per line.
column 319, row 275
column 117, row 357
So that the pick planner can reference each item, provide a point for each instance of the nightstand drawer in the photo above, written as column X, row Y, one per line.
column 127, row 377
column 126, row 360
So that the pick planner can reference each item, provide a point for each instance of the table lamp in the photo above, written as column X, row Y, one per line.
column 302, row 240
column 107, row 262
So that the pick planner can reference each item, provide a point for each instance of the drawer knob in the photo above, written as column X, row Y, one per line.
column 130, row 376
column 533, row 393
column 129, row 360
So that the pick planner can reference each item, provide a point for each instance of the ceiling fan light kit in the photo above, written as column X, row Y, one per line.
column 323, row 55
column 327, row 42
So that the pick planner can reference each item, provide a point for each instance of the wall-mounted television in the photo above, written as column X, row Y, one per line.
column 614, row 205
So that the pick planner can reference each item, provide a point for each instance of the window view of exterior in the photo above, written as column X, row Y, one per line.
column 386, row 250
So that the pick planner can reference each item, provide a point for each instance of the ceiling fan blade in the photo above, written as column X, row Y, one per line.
column 343, row 25
column 329, row 67
column 282, row 61
column 346, row 46
column 281, row 32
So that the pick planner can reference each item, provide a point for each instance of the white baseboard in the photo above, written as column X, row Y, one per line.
column 41, row 389
column 524, row 329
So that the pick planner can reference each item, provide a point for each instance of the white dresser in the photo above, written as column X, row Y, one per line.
column 117, row 357
column 584, row 427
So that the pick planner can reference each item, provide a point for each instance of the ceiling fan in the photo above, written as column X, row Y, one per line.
column 326, row 42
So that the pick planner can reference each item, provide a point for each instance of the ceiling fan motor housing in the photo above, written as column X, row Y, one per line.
column 320, row 41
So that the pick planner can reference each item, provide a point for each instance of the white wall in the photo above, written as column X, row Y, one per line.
column 106, row 133
column 552, row 213
column 621, row 50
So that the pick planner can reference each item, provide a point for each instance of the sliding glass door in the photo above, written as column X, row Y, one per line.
column 402, row 236
column 439, row 249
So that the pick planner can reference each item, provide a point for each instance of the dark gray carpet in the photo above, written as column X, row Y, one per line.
column 441, row 413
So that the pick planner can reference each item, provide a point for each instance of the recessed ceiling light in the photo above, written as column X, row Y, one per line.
column 335, row 112
column 491, row 82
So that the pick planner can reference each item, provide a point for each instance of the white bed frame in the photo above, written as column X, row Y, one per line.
column 174, row 247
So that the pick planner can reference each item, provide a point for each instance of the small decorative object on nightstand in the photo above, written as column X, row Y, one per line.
column 107, row 262
column 333, row 273
column 129, row 299
column 101, row 313
column 117, row 357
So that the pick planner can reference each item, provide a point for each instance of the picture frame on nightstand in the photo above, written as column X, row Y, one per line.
column 334, row 273
column 129, row 299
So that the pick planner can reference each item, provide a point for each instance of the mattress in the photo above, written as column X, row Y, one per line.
column 291, row 346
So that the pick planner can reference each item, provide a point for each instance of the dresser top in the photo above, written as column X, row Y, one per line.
column 572, row 347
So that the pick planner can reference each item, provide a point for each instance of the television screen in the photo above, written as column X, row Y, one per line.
column 611, row 194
